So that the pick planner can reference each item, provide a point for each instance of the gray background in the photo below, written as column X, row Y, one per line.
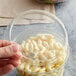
column 67, row 13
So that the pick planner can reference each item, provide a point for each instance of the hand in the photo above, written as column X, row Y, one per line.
column 10, row 56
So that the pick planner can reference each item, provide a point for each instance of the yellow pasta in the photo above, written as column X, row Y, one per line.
column 48, row 53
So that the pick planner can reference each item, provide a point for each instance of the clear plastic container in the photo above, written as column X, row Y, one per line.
column 33, row 22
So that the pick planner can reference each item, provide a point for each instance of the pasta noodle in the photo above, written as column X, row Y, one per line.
column 46, row 52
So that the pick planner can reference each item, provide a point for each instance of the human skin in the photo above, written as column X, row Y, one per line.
column 10, row 56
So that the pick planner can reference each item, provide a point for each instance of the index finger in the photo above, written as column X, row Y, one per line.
column 4, row 43
column 9, row 51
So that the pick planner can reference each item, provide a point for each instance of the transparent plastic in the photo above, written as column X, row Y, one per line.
column 33, row 22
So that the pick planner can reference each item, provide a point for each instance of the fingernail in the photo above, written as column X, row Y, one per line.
column 15, row 48
column 19, row 54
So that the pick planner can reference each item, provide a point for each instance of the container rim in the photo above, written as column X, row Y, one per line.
column 41, row 12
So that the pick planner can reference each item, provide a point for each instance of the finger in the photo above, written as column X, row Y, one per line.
column 17, row 56
column 14, row 43
column 3, row 63
column 15, row 63
column 4, row 43
column 9, row 50
column 6, row 69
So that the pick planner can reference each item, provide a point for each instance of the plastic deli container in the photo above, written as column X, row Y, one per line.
column 30, row 24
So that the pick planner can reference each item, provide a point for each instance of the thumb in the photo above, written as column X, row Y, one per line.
column 9, row 50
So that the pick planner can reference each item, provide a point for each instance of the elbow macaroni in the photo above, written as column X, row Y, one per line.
column 48, row 53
